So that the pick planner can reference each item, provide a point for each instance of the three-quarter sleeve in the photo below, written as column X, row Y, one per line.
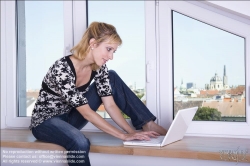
column 65, row 84
column 102, row 82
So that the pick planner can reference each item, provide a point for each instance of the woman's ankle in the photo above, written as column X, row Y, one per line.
column 152, row 126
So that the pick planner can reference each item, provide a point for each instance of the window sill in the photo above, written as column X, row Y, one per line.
column 199, row 148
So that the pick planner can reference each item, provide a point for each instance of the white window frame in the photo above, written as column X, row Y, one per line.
column 158, row 62
column 9, row 95
column 74, row 26
column 3, row 65
column 230, row 24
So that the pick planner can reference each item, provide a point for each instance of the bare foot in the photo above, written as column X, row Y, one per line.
column 152, row 126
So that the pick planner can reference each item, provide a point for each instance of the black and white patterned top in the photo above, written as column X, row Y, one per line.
column 59, row 94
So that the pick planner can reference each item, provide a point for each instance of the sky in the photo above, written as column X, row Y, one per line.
column 128, row 18
column 44, row 38
column 200, row 50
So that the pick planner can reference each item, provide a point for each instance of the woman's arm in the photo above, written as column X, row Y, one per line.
column 115, row 114
column 100, row 123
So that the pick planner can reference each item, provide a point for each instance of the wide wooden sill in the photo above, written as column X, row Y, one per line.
column 200, row 148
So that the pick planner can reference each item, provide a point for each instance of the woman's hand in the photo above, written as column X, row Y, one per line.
column 100, row 123
column 143, row 135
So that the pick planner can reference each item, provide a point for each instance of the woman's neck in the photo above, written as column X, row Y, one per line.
column 81, row 64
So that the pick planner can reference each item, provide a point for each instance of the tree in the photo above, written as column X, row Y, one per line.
column 139, row 95
column 125, row 116
column 207, row 114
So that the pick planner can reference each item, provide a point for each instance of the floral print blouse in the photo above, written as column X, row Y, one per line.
column 59, row 94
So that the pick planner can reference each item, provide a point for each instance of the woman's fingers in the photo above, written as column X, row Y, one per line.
column 145, row 135
column 136, row 136
column 151, row 133
column 140, row 136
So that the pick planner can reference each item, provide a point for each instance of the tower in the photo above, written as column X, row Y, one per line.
column 182, row 87
column 225, row 77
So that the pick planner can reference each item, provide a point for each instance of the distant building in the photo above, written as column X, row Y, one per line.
column 216, row 83
column 239, row 90
column 193, row 91
column 191, row 85
column 183, row 88
column 176, row 91
column 218, row 97
column 208, row 93
column 228, row 107
column 225, row 83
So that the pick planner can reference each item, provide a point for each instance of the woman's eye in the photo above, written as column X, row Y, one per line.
column 109, row 49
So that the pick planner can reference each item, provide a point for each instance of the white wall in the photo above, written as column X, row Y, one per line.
column 241, row 7
column 98, row 159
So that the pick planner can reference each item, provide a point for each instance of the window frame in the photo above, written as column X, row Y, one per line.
column 74, row 26
column 3, row 65
column 156, row 48
column 8, row 63
column 164, row 23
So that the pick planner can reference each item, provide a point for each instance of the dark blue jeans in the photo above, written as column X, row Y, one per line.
column 65, row 129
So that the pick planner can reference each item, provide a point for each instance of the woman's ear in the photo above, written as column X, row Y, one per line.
column 91, row 42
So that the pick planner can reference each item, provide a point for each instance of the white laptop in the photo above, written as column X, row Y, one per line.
column 175, row 133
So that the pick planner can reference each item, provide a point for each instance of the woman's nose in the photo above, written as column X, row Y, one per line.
column 111, row 56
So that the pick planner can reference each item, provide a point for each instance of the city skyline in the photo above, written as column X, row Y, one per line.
column 221, row 76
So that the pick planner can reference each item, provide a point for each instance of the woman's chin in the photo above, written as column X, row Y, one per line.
column 99, row 64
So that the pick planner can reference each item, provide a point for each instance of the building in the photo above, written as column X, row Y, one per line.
column 225, row 83
column 216, row 82
column 191, row 85
column 228, row 107
column 183, row 87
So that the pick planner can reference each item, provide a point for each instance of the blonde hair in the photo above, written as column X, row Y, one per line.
column 100, row 32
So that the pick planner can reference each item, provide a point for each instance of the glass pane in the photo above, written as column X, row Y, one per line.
column 129, row 60
column 40, row 37
column 209, row 70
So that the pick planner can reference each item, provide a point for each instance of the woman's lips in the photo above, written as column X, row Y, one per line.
column 104, row 61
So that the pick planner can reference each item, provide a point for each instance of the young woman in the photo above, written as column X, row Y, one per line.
column 67, row 101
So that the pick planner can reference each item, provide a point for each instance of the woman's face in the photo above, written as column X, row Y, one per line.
column 103, row 52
